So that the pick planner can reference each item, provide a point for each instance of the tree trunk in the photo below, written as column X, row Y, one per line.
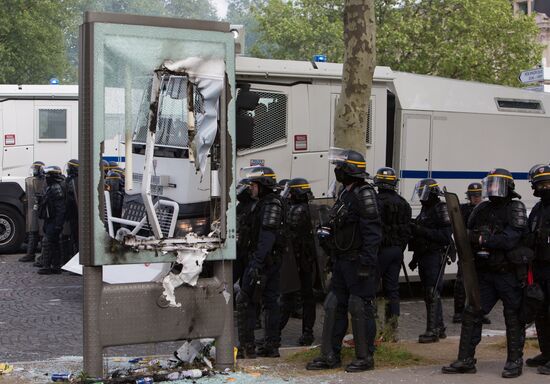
column 350, row 123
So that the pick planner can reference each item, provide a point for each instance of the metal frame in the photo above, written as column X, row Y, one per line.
column 130, row 313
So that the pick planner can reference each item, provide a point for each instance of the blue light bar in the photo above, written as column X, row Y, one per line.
column 320, row 58
column 54, row 81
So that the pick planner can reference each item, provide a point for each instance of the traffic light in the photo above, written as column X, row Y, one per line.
column 247, row 101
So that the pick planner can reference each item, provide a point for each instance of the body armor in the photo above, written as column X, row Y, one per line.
column 539, row 226
column 396, row 219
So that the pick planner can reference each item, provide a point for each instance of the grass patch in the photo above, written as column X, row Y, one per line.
column 501, row 344
column 387, row 355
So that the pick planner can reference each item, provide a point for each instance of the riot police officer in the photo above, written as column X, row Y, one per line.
column 244, row 208
column 353, row 247
column 473, row 195
column 430, row 243
column 539, row 227
column 495, row 229
column 34, row 186
column 261, row 277
column 303, row 245
column 52, row 211
column 396, row 216
column 69, row 239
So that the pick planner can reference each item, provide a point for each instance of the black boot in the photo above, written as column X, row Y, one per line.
column 470, row 330
column 515, row 340
column 328, row 359
column 306, row 338
column 268, row 349
column 247, row 348
column 432, row 333
column 363, row 359
column 32, row 241
column 544, row 369
column 542, row 323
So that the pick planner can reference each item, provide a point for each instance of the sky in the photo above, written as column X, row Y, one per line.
column 221, row 7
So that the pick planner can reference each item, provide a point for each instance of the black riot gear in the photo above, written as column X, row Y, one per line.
column 496, row 228
column 104, row 164
column 539, row 241
column 540, row 180
column 430, row 242
column 350, row 165
column 355, row 235
column 396, row 217
column 261, row 175
column 300, row 234
column 426, row 189
column 72, row 167
column 34, row 189
column 474, row 189
column 52, row 210
column 260, row 280
column 37, row 169
column 386, row 178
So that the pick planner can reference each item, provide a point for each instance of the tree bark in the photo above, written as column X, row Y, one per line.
column 350, row 122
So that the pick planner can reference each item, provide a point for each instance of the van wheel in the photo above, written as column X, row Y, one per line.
column 12, row 229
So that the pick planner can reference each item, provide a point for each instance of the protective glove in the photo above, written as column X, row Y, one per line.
column 413, row 264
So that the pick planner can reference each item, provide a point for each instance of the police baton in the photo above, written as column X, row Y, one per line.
column 441, row 269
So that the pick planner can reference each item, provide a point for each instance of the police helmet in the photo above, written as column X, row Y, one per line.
column 386, row 178
column 499, row 182
column 299, row 188
column 104, row 166
column 120, row 171
column 540, row 178
column 243, row 190
column 426, row 188
column 72, row 167
column 351, row 162
column 113, row 164
column 474, row 189
column 37, row 169
column 53, row 172
column 261, row 175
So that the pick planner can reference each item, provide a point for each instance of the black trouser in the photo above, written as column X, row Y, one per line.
column 429, row 266
column 346, row 283
column 288, row 303
column 494, row 286
column 51, row 253
column 389, row 267
column 541, row 273
column 247, row 307
column 459, row 291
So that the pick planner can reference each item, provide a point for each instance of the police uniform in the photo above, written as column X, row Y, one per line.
column 474, row 190
column 495, row 228
column 353, row 247
column 52, row 211
column 243, row 210
column 301, row 236
column 69, row 242
column 396, row 216
column 34, row 186
column 539, row 228
column 261, row 277
column 430, row 243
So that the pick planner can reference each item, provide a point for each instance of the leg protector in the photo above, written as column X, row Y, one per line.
column 328, row 358
column 432, row 332
column 245, row 333
column 46, row 253
column 359, row 322
column 32, row 240
column 515, row 340
column 470, row 334
column 542, row 323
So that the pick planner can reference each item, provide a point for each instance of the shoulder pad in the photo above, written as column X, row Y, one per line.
column 518, row 214
column 442, row 213
column 272, row 214
column 367, row 198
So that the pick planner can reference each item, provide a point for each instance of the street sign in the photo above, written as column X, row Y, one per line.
column 532, row 76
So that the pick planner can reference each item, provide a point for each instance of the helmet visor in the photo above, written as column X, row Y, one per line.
column 494, row 186
column 285, row 192
column 337, row 155
column 242, row 187
column 253, row 172
column 422, row 191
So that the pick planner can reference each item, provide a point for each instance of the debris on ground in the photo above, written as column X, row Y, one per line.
column 5, row 368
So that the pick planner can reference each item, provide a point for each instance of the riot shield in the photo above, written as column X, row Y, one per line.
column 33, row 189
column 464, row 250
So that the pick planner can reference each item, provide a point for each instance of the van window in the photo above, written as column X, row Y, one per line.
column 516, row 105
column 52, row 124
column 270, row 119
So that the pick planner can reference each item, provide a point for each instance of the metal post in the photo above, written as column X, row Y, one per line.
column 224, row 343
column 93, row 349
